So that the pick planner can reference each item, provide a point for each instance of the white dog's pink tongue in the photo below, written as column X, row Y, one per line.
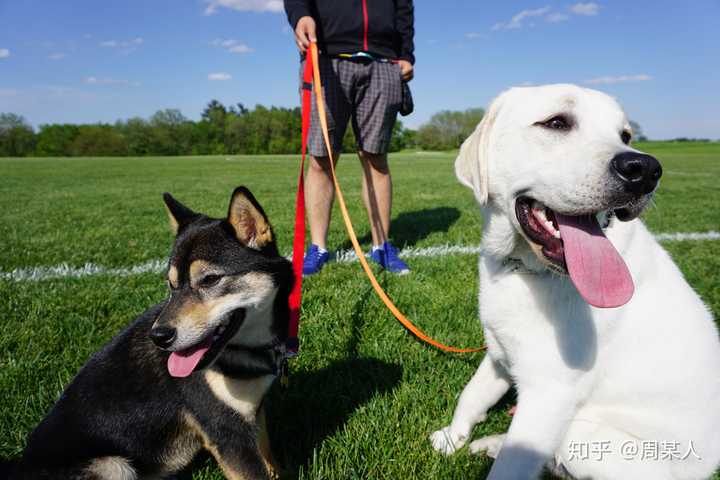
column 182, row 363
column 595, row 267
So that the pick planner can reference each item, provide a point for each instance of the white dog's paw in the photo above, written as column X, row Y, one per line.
column 491, row 445
column 446, row 441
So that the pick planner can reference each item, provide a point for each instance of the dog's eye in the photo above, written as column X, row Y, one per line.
column 209, row 280
column 625, row 136
column 558, row 122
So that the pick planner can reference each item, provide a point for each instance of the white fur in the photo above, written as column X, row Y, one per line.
column 646, row 371
column 243, row 396
column 111, row 468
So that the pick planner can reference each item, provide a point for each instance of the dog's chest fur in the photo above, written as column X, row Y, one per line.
column 538, row 321
column 242, row 395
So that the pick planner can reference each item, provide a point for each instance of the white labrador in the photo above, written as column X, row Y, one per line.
column 615, row 358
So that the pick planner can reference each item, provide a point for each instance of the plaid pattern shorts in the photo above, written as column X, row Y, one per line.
column 367, row 92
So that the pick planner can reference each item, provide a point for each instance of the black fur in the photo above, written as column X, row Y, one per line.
column 123, row 402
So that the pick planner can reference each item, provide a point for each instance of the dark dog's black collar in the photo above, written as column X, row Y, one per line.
column 252, row 361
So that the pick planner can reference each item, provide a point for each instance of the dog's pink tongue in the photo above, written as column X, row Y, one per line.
column 596, row 268
column 182, row 363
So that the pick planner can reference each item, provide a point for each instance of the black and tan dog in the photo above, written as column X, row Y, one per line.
column 190, row 373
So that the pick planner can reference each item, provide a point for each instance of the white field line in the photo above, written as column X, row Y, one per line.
column 341, row 256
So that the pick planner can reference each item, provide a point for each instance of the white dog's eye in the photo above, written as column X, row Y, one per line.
column 558, row 122
column 625, row 136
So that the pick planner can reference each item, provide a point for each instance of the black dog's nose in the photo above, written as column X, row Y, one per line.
column 638, row 172
column 163, row 337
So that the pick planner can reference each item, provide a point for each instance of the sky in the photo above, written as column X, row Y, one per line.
column 87, row 61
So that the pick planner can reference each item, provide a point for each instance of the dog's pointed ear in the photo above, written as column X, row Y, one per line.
column 179, row 214
column 248, row 219
column 471, row 164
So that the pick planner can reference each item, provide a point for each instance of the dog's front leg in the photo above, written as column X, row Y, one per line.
column 489, row 383
column 540, row 422
column 233, row 445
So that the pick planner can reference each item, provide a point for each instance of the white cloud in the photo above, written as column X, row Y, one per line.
column 241, row 48
column 4, row 53
column 219, row 76
column 557, row 17
column 109, row 81
column 473, row 35
column 122, row 43
column 588, row 9
column 219, row 42
column 274, row 6
column 232, row 45
column 517, row 20
column 57, row 56
column 610, row 80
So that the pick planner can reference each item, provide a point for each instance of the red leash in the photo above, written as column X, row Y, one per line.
column 295, row 300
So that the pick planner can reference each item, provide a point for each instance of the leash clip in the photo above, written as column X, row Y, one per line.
column 284, row 373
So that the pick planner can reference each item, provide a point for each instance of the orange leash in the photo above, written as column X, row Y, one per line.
column 319, row 100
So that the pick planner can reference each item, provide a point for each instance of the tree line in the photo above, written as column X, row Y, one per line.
column 221, row 130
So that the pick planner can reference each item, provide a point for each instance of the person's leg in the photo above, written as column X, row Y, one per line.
column 377, row 194
column 319, row 190
column 377, row 101
column 319, row 196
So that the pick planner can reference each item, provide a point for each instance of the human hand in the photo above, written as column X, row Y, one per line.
column 407, row 70
column 305, row 33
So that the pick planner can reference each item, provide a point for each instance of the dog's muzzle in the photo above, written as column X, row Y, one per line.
column 639, row 173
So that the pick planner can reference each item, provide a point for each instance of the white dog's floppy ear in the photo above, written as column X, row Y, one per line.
column 471, row 164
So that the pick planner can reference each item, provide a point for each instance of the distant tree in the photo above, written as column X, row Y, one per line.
column 398, row 138
column 638, row 134
column 430, row 137
column 99, row 140
column 215, row 114
column 409, row 138
column 167, row 132
column 448, row 129
column 238, row 109
column 138, row 136
column 56, row 140
column 17, row 137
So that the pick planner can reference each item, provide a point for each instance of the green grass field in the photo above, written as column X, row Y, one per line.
column 364, row 395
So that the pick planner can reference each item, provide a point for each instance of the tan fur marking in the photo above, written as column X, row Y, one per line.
column 198, row 269
column 173, row 276
column 264, row 445
column 243, row 396
column 111, row 468
column 181, row 449
column 251, row 227
column 174, row 225
column 229, row 472
column 252, row 285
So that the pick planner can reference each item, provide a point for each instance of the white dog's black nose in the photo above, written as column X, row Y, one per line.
column 638, row 172
column 163, row 337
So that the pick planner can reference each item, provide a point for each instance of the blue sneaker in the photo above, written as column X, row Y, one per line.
column 388, row 258
column 314, row 260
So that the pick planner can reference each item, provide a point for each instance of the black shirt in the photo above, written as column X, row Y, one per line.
column 380, row 27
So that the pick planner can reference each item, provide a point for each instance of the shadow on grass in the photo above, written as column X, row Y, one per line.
column 318, row 403
column 408, row 228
